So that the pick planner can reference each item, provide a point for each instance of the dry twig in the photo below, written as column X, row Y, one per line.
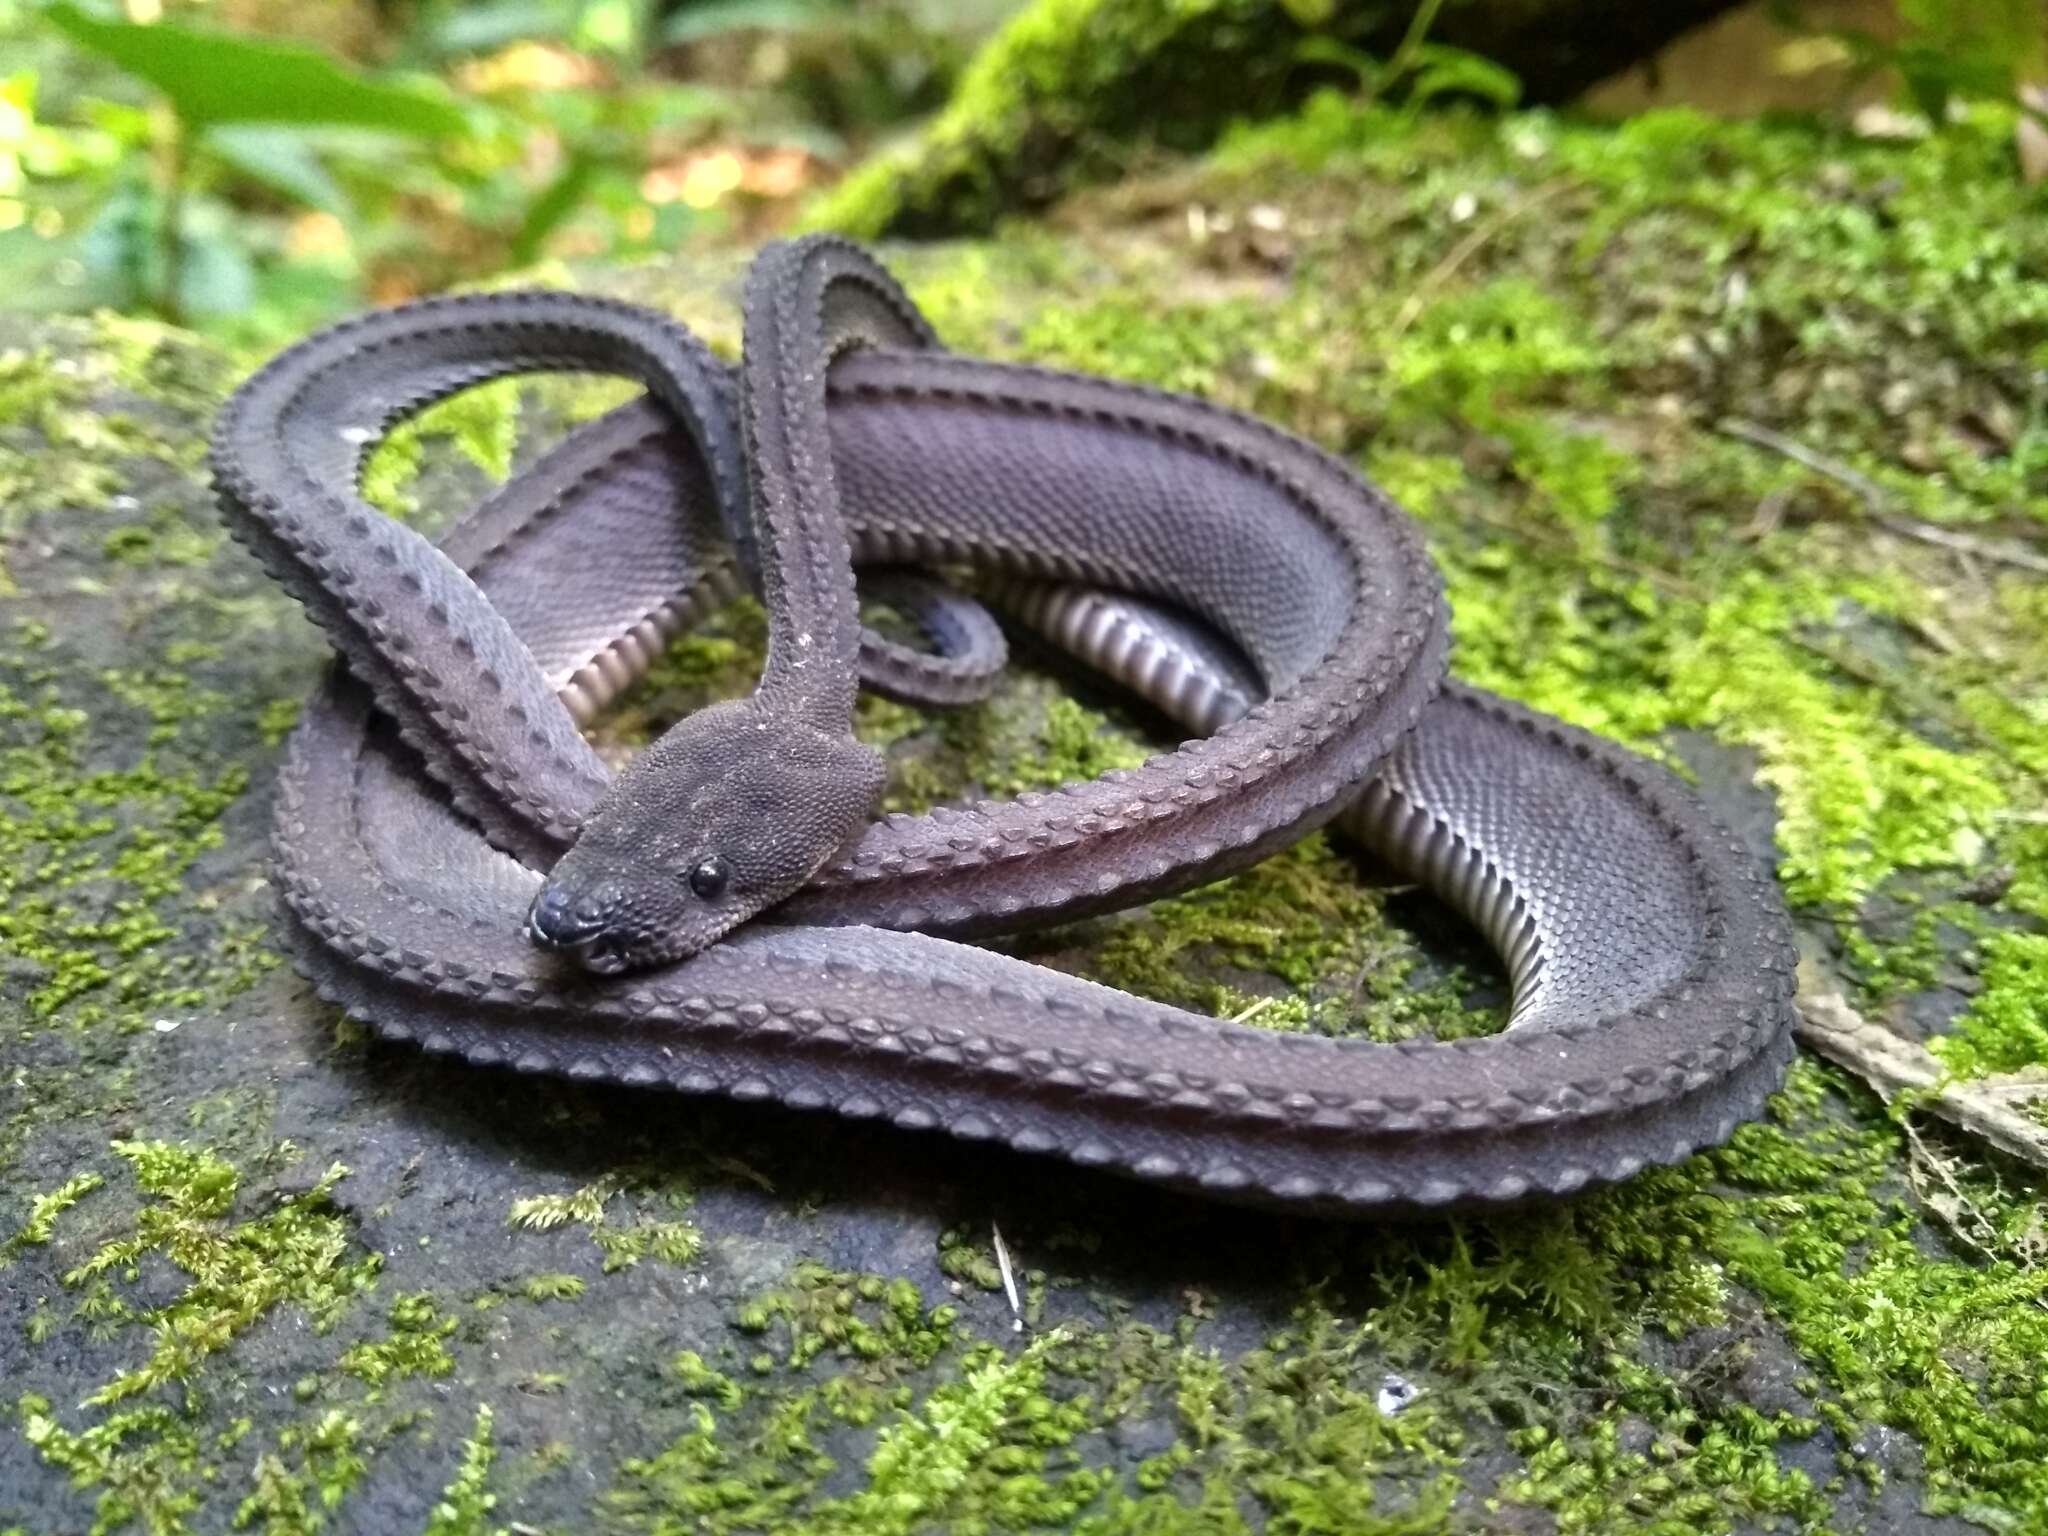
column 1878, row 503
column 1009, row 1278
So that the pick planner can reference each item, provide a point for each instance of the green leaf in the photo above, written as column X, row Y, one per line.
column 216, row 77
column 481, row 28
column 611, row 26
column 1309, row 13
column 215, row 275
column 715, row 18
column 1929, row 83
column 282, row 160
column 1329, row 51
column 555, row 203
column 1442, row 70
column 671, row 104
column 118, row 250
column 1997, row 39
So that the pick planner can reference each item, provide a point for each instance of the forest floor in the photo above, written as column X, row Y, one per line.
column 1730, row 441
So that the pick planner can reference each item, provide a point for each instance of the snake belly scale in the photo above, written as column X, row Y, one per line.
column 458, row 867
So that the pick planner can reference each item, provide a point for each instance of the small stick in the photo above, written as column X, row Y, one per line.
column 1877, row 502
column 1253, row 1011
column 1965, row 545
column 1930, row 629
column 1009, row 1279
column 1760, row 436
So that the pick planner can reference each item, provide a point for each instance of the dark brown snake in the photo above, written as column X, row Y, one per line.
column 459, row 868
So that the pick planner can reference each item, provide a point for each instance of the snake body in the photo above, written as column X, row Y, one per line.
column 458, row 867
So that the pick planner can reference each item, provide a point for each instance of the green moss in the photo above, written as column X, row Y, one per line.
column 288, row 1499
column 989, row 1429
column 1903, row 1336
column 76, row 416
column 299, row 1254
column 2006, row 1027
column 1061, row 72
column 551, row 1287
column 1195, row 348
column 962, row 1258
column 1074, row 91
column 482, row 424
column 856, row 1317
column 1007, row 751
column 922, row 1462
column 42, row 1216
column 275, row 723
column 994, row 1446
column 622, row 1244
column 95, row 856
column 145, row 1460
column 416, row 1345
column 140, row 1463
column 113, row 780
column 33, row 391
column 1594, row 1482
column 1304, row 919
column 1541, row 1323
column 700, row 1380
column 466, row 1503
column 1862, row 795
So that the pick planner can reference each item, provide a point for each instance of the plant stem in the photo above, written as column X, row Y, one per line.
column 170, row 302
column 1418, row 29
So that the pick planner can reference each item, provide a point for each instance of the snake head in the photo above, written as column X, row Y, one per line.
column 729, row 812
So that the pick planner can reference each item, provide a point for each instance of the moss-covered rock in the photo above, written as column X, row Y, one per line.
column 1070, row 91
column 1695, row 418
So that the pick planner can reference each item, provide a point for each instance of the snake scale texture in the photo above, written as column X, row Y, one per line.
column 459, row 868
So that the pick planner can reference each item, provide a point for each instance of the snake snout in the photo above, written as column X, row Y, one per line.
column 566, row 918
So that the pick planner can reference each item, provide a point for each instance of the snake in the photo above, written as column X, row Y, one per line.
column 726, row 914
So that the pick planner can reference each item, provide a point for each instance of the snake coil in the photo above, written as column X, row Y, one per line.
column 459, row 868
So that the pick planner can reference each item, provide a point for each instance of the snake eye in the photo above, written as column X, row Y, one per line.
column 709, row 877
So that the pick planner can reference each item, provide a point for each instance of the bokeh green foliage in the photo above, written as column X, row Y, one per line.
column 256, row 185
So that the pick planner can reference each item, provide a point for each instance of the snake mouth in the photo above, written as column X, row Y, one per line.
column 602, row 954
column 572, row 929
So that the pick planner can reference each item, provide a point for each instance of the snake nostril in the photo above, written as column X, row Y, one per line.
column 562, row 921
